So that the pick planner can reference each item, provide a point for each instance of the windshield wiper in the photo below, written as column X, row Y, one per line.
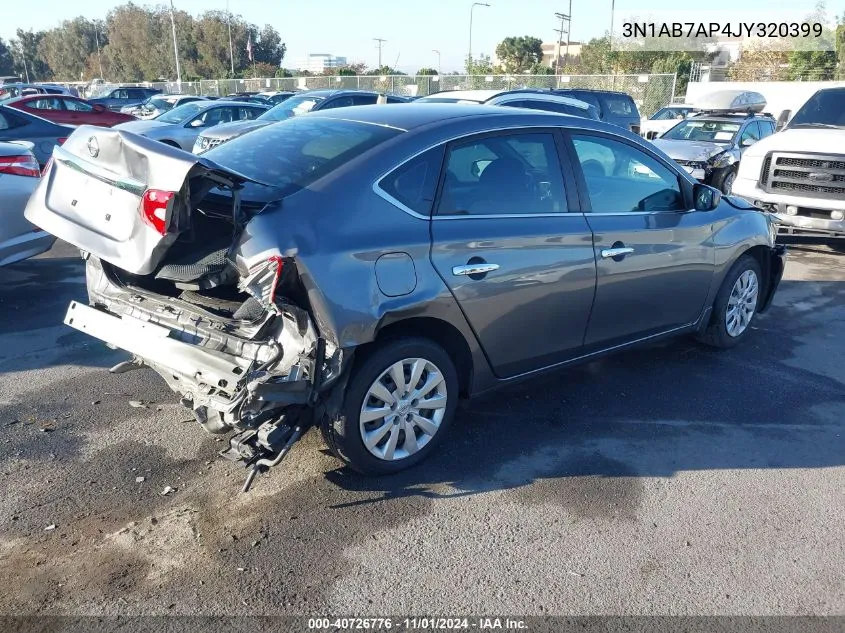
column 814, row 124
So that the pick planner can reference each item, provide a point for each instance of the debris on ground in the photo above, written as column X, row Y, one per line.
column 137, row 404
column 50, row 527
column 139, row 480
column 167, row 490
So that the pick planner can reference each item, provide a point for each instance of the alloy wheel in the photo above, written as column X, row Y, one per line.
column 403, row 409
column 742, row 303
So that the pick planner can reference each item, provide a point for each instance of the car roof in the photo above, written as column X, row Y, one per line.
column 409, row 116
column 595, row 91
column 478, row 96
column 546, row 96
column 334, row 93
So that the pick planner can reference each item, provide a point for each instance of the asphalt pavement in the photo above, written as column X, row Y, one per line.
column 673, row 479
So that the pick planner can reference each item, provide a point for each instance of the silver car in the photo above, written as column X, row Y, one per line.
column 19, row 176
column 180, row 126
column 362, row 269
column 158, row 105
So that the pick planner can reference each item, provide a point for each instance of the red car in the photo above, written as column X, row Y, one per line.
column 68, row 110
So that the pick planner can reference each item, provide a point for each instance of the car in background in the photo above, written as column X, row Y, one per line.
column 665, row 118
column 68, row 110
column 16, row 125
column 614, row 107
column 15, row 90
column 798, row 174
column 180, row 126
column 710, row 144
column 248, row 98
column 159, row 104
column 301, row 103
column 532, row 99
column 19, row 176
column 275, row 97
column 362, row 269
column 117, row 98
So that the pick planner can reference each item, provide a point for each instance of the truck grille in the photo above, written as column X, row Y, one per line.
column 810, row 175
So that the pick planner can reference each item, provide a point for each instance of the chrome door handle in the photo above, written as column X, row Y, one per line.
column 616, row 252
column 474, row 269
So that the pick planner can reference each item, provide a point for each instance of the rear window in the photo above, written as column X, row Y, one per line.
column 620, row 105
column 292, row 154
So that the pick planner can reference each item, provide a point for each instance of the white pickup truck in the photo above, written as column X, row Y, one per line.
column 798, row 174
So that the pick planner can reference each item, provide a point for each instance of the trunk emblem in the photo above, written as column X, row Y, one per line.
column 93, row 147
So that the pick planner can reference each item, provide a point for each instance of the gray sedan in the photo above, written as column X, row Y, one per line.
column 363, row 269
column 180, row 126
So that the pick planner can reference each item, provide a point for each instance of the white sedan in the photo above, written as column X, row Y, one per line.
column 19, row 175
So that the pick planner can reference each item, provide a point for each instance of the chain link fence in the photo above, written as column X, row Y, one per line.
column 650, row 92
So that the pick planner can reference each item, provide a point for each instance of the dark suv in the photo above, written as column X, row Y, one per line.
column 125, row 96
column 614, row 107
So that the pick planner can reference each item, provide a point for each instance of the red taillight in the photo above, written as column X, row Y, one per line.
column 154, row 205
column 23, row 165
column 61, row 141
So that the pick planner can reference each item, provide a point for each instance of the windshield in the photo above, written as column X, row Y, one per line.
column 183, row 112
column 666, row 114
column 295, row 153
column 703, row 130
column 290, row 108
column 157, row 103
column 823, row 109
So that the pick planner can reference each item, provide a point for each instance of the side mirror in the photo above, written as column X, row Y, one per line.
column 99, row 107
column 196, row 123
column 748, row 142
column 706, row 198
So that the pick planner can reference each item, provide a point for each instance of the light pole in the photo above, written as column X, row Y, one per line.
column 471, row 9
column 438, row 60
column 97, row 40
column 175, row 48
column 231, row 51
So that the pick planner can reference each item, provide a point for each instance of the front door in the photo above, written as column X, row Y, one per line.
column 519, row 264
column 655, row 257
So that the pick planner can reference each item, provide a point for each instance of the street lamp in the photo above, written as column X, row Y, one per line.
column 438, row 60
column 175, row 48
column 471, row 9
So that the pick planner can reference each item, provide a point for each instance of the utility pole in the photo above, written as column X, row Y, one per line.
column 380, row 43
column 97, row 40
column 565, row 18
column 471, row 9
column 438, row 60
column 231, row 50
column 175, row 48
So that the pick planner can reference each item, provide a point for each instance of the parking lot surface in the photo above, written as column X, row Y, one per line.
column 673, row 479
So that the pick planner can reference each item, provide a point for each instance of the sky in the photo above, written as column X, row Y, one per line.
column 412, row 28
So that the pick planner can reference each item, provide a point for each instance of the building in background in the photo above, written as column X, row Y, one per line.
column 551, row 51
column 317, row 63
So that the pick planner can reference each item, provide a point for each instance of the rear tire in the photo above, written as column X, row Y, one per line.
column 385, row 400
column 736, row 305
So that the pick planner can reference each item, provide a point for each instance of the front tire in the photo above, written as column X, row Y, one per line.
column 736, row 304
column 724, row 181
column 398, row 405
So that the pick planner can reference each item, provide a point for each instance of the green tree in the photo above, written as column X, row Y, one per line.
column 480, row 66
column 518, row 54
column 426, row 71
column 7, row 62
column 596, row 56
column 25, row 47
column 811, row 65
column 384, row 70
column 269, row 48
column 65, row 49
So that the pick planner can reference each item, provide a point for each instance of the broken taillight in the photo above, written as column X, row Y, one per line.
column 154, row 205
column 275, row 262
column 22, row 165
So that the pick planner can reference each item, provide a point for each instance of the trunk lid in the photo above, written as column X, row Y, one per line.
column 122, row 197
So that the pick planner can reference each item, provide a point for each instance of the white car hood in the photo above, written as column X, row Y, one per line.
column 821, row 140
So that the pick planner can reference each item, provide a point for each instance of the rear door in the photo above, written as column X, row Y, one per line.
column 509, row 242
column 655, row 257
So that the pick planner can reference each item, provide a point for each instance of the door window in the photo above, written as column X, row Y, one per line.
column 415, row 183
column 247, row 114
column 214, row 116
column 364, row 99
column 751, row 132
column 120, row 94
column 503, row 175
column 77, row 106
column 621, row 178
column 767, row 128
column 48, row 103
column 340, row 102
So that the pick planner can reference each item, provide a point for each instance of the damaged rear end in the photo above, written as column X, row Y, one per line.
column 161, row 231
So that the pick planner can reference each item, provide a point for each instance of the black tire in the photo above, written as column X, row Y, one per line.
column 716, row 333
column 724, row 180
column 341, row 430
